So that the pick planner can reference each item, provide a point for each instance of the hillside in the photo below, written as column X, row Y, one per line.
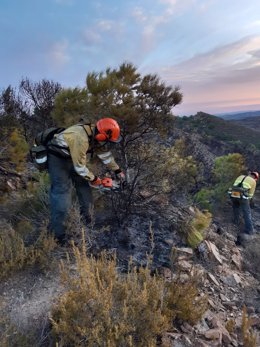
column 239, row 115
column 250, row 122
column 212, row 127
column 159, row 261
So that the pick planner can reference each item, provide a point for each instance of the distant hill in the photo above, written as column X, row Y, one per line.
column 213, row 128
column 239, row 115
column 250, row 122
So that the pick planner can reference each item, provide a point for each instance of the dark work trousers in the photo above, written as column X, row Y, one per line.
column 62, row 176
column 244, row 206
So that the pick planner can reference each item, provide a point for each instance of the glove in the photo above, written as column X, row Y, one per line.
column 120, row 176
column 96, row 183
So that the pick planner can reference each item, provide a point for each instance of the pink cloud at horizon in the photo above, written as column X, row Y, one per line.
column 226, row 78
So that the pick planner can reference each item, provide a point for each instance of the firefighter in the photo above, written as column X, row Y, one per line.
column 68, row 156
column 242, row 200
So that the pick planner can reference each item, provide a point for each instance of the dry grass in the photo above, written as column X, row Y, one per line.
column 15, row 255
column 105, row 308
column 248, row 335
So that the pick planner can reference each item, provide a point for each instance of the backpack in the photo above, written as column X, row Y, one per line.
column 40, row 148
column 239, row 192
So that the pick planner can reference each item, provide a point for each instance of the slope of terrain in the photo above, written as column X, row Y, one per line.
column 27, row 297
column 218, row 129
column 227, row 278
column 250, row 122
column 239, row 115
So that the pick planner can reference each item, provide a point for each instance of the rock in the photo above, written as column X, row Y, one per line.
column 250, row 310
column 236, row 259
column 255, row 321
column 223, row 297
column 212, row 304
column 10, row 185
column 174, row 336
column 170, row 242
column 201, row 327
column 213, row 279
column 186, row 328
column 185, row 250
column 213, row 251
column 184, row 277
column 226, row 338
column 200, row 343
column 229, row 280
column 184, row 265
column 237, row 278
column 214, row 334
column 216, row 322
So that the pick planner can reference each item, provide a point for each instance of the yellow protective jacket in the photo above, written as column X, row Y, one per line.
column 248, row 183
column 75, row 142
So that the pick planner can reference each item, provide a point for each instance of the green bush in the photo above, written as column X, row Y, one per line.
column 203, row 199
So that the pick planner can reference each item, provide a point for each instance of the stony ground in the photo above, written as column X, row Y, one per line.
column 26, row 297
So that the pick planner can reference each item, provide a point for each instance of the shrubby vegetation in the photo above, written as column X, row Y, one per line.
column 226, row 169
column 103, row 307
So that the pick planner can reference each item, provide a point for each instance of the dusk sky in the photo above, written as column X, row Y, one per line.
column 210, row 48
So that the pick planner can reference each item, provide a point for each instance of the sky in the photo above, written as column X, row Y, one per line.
column 210, row 48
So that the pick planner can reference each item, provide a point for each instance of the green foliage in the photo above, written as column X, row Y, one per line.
column 227, row 169
column 70, row 106
column 17, row 150
column 138, row 102
column 184, row 168
column 217, row 129
column 203, row 198
column 9, row 109
column 194, row 228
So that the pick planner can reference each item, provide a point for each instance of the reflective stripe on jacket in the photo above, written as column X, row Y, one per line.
column 248, row 183
column 75, row 142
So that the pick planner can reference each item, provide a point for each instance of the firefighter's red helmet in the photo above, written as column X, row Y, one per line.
column 108, row 130
column 256, row 174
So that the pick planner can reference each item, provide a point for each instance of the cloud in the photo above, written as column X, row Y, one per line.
column 105, row 25
column 254, row 24
column 153, row 25
column 91, row 37
column 102, row 32
column 139, row 14
column 219, row 63
column 225, row 76
column 59, row 53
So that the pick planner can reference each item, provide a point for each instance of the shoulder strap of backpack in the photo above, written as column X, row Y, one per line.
column 92, row 138
column 241, row 183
